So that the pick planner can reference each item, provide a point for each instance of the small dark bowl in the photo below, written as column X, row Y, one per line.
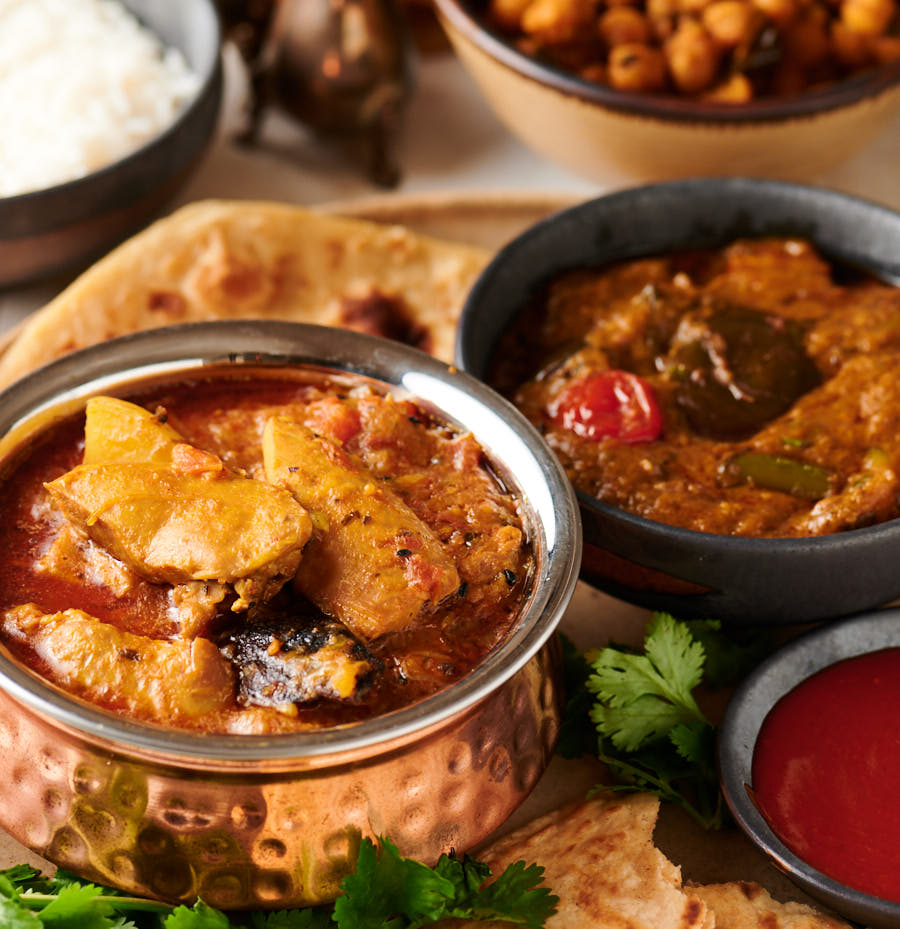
column 736, row 579
column 63, row 227
column 737, row 738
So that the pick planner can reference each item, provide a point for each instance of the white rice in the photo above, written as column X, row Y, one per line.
column 82, row 84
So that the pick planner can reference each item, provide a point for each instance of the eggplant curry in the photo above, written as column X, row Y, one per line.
column 257, row 556
column 751, row 390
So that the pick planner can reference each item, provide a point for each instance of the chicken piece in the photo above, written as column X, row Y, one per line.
column 286, row 660
column 75, row 559
column 144, row 677
column 195, row 604
column 174, row 527
column 372, row 562
column 175, row 513
column 116, row 430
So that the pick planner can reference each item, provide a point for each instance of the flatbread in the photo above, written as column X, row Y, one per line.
column 740, row 905
column 599, row 859
column 221, row 259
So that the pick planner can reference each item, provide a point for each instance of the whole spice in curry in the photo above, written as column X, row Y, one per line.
column 257, row 555
column 748, row 391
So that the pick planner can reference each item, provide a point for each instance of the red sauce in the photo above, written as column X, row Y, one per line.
column 826, row 772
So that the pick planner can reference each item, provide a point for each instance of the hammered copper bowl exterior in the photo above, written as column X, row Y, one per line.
column 271, row 836
column 275, row 821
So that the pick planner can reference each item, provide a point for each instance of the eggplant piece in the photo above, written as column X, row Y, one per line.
column 737, row 369
column 281, row 660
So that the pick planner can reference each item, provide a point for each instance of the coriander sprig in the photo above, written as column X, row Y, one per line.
column 636, row 709
column 387, row 891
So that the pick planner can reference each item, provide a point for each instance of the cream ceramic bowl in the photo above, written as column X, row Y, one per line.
column 591, row 129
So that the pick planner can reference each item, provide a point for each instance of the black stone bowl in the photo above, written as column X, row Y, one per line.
column 697, row 574
column 748, row 708
column 66, row 226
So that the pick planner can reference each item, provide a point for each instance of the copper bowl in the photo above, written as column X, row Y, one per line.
column 275, row 821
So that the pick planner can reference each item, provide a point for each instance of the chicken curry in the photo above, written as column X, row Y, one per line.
column 255, row 556
column 750, row 390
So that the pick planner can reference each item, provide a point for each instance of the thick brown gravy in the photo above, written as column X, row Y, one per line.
column 744, row 391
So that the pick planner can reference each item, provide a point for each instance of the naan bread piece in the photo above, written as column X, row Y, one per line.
column 222, row 259
column 599, row 859
column 741, row 905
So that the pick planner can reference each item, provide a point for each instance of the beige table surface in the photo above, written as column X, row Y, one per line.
column 466, row 177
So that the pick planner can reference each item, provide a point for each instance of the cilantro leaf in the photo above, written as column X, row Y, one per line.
column 387, row 887
column 641, row 698
column 671, row 649
column 730, row 654
column 79, row 905
column 516, row 897
column 307, row 918
column 199, row 916
column 15, row 915
column 693, row 741
column 653, row 735
column 387, row 891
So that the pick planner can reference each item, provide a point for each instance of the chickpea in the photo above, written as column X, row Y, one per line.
column 805, row 41
column 735, row 89
column 850, row 49
column 870, row 17
column 508, row 13
column 637, row 67
column 555, row 21
column 692, row 57
column 732, row 22
column 781, row 12
column 692, row 7
column 662, row 15
column 623, row 25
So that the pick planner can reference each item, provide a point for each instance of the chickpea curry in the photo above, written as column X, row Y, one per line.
column 724, row 51
column 750, row 390
column 257, row 556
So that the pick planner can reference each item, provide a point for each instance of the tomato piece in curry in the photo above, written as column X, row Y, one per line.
column 766, row 401
column 155, row 554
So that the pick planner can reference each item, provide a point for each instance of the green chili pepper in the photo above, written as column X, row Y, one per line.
column 774, row 472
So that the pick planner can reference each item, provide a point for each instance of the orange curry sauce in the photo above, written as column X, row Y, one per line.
column 441, row 474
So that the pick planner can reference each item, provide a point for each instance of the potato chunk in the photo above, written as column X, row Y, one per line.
column 372, row 562
column 116, row 430
column 173, row 528
column 144, row 677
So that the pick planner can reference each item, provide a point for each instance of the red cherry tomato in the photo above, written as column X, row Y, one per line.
column 609, row 405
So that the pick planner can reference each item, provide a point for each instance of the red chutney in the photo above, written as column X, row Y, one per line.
column 826, row 772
